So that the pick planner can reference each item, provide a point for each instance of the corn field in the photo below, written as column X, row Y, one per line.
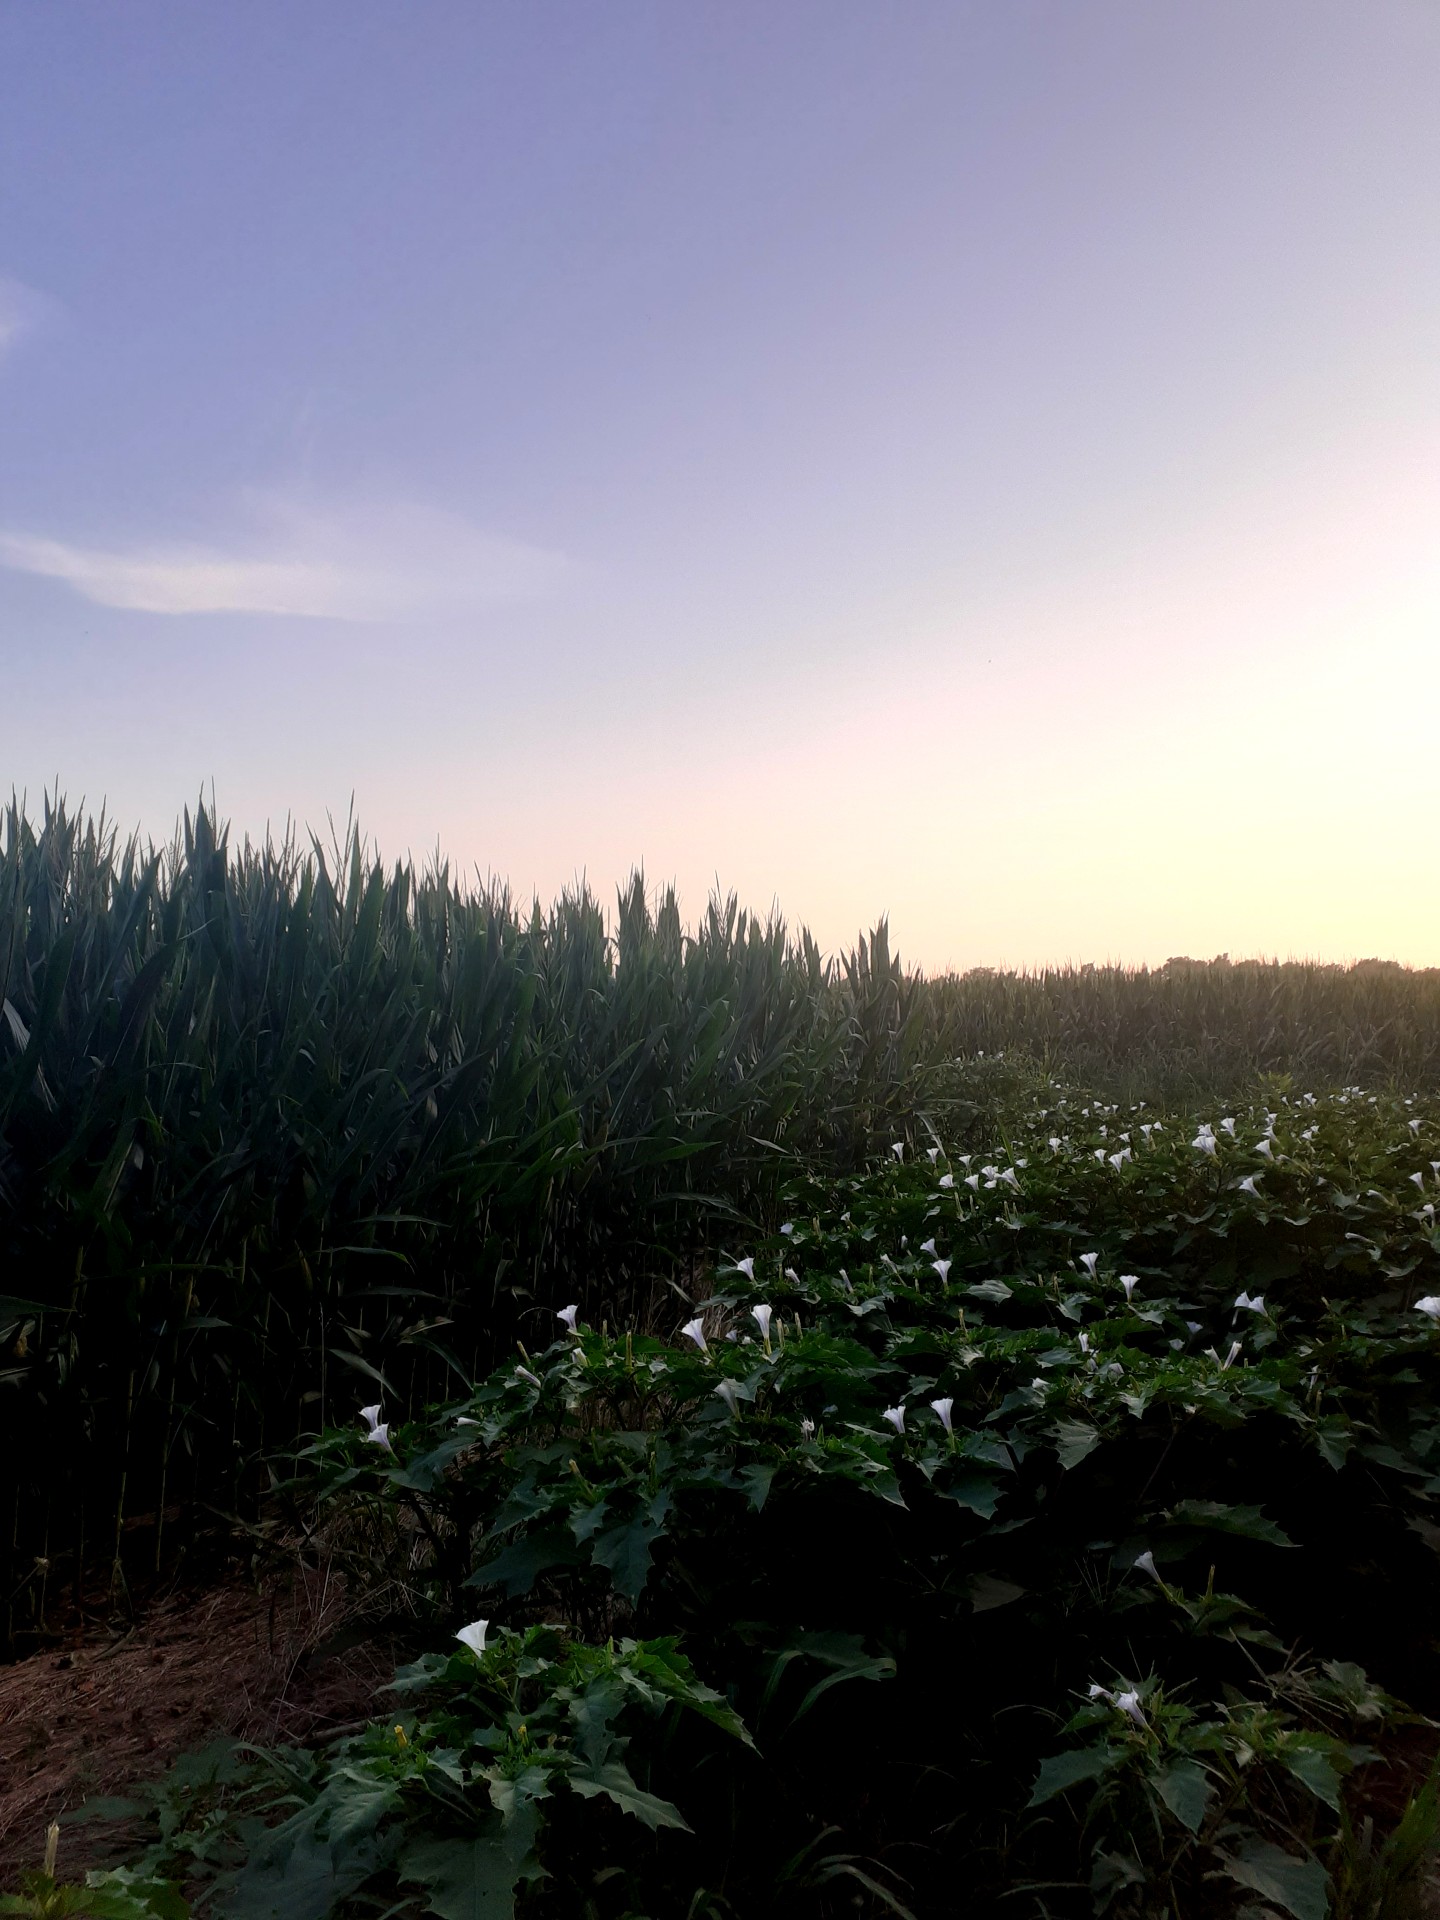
column 280, row 1128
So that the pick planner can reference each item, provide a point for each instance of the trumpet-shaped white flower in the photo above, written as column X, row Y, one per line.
column 371, row 1415
column 746, row 1266
column 1129, row 1705
column 524, row 1373
column 1129, row 1281
column 1097, row 1692
column 947, row 1181
column 1084, row 1343
column 761, row 1316
column 380, row 1436
column 569, row 1315
column 929, row 1246
column 473, row 1636
column 1146, row 1563
column 807, row 1429
column 1419, row 1180
column 1204, row 1141
column 1010, row 1178
column 897, row 1147
column 1264, row 1146
column 1247, row 1185
column 932, row 1154
column 1250, row 1303
column 726, row 1391
column 787, row 1227
column 896, row 1417
column 792, row 1276
column 1090, row 1261
column 943, row 1410
column 845, row 1280
column 1231, row 1357
column 942, row 1267
column 972, row 1180
column 695, row 1330
column 1229, row 1127
column 1429, row 1306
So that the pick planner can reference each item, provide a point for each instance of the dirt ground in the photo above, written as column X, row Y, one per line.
column 271, row 1662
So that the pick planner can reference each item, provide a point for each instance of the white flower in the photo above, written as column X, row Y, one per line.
column 726, row 1391
column 1117, row 1160
column 942, row 1267
column 1129, row 1705
column 473, row 1636
column 845, row 1280
column 370, row 1415
column 932, row 1154
column 1097, row 1692
column 1205, row 1141
column 1129, row 1281
column 929, row 1246
column 747, row 1267
column 943, row 1409
column 1231, row 1357
column 524, row 1373
column 1264, row 1146
column 1011, row 1177
column 1084, row 1343
column 1229, row 1126
column 761, row 1316
column 695, row 1330
column 1429, row 1306
column 792, row 1276
column 569, row 1315
column 947, row 1181
column 1414, row 1125
column 1146, row 1563
column 1419, row 1180
column 1247, row 1185
column 380, row 1435
column 1090, row 1261
column 972, row 1180
column 787, row 1227
column 897, row 1147
column 1250, row 1303
column 896, row 1417
column 807, row 1429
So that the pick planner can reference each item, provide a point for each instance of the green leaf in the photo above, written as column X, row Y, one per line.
column 1074, row 1440
column 1186, row 1789
column 465, row 1879
column 624, row 1551
column 988, row 1591
column 1296, row 1883
column 975, row 1492
column 1247, row 1522
column 518, row 1566
column 1316, row 1769
column 755, row 1479
column 616, row 1784
column 1064, row 1770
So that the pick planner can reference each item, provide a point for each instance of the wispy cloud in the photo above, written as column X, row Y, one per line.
column 21, row 311
column 360, row 560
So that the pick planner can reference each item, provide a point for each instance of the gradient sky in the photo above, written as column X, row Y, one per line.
column 979, row 463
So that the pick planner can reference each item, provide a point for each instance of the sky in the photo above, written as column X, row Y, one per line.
column 972, row 463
